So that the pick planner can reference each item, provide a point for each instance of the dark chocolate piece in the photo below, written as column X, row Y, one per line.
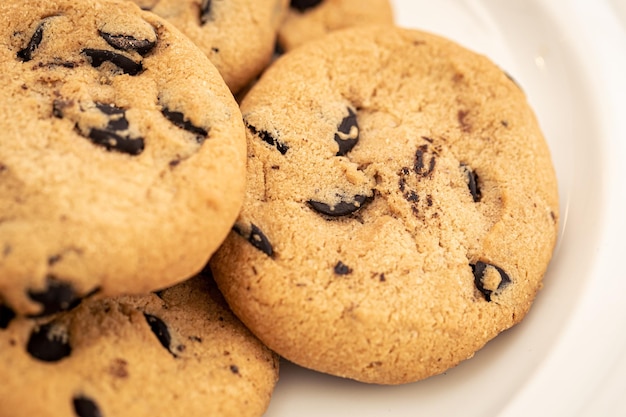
column 205, row 11
column 479, row 270
column 303, row 5
column 266, row 137
column 113, row 137
column 98, row 57
column 260, row 241
column 342, row 208
column 347, row 135
column 342, row 269
column 58, row 296
column 26, row 54
column 257, row 239
column 179, row 119
column 472, row 182
column 128, row 43
column 47, row 344
column 6, row 315
column 159, row 328
column 85, row 407
column 419, row 165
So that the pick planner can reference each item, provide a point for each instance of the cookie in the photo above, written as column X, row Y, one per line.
column 178, row 353
column 238, row 36
column 401, row 210
column 122, row 154
column 307, row 20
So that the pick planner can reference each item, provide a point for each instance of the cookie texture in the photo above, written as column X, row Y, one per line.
column 307, row 20
column 238, row 36
column 178, row 353
column 122, row 153
column 401, row 211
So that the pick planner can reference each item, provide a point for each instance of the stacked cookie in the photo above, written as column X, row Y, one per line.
column 380, row 205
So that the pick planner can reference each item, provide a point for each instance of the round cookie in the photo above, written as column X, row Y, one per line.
column 401, row 210
column 122, row 153
column 307, row 20
column 238, row 36
column 181, row 353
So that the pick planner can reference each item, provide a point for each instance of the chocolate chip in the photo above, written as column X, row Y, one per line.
column 178, row 119
column 472, row 182
column 258, row 239
column 47, row 344
column 303, row 5
column 419, row 165
column 97, row 57
column 26, row 54
column 57, row 296
column 234, row 369
column 128, row 43
column 6, row 315
column 347, row 135
column 342, row 208
column 266, row 137
column 114, row 137
column 481, row 270
column 85, row 407
column 160, row 330
column 342, row 269
column 205, row 11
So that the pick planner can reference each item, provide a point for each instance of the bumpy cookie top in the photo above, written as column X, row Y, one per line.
column 307, row 20
column 401, row 210
column 181, row 353
column 122, row 153
column 238, row 36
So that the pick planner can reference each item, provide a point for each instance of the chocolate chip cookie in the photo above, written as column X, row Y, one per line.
column 178, row 353
column 122, row 153
column 310, row 19
column 238, row 36
column 401, row 211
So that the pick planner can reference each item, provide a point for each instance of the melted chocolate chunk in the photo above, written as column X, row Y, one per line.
column 347, row 135
column 58, row 296
column 257, row 239
column 114, row 137
column 480, row 269
column 342, row 208
column 266, row 137
column 26, row 54
column 6, row 315
column 303, row 5
column 47, row 344
column 179, row 119
column 128, row 43
column 342, row 269
column 419, row 166
column 159, row 328
column 97, row 57
column 205, row 11
column 85, row 407
column 472, row 182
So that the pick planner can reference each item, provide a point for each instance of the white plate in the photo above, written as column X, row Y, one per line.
column 568, row 357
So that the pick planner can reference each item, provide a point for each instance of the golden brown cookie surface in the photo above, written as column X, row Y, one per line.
column 307, row 20
column 181, row 353
column 238, row 36
column 122, row 153
column 401, row 210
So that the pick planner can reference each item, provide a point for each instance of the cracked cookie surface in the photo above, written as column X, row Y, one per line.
column 401, row 210
column 118, row 173
column 178, row 352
